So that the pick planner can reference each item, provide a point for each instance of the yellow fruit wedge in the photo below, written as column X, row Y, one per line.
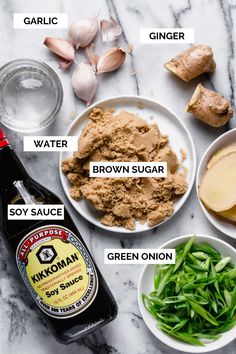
column 229, row 214
column 218, row 187
column 221, row 153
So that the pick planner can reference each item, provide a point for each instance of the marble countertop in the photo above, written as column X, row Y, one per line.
column 21, row 330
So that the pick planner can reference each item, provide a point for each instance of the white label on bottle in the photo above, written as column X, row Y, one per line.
column 166, row 35
column 57, row 270
column 40, row 20
column 35, row 212
column 128, row 169
column 139, row 256
column 50, row 143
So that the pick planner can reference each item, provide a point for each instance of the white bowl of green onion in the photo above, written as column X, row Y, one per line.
column 191, row 305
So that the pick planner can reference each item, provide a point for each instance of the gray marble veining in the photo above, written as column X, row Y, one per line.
column 21, row 329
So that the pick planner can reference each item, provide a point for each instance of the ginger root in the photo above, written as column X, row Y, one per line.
column 192, row 62
column 210, row 107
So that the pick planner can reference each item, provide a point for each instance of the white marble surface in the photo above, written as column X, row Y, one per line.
column 21, row 330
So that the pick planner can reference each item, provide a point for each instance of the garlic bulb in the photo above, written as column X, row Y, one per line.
column 63, row 49
column 111, row 60
column 110, row 30
column 82, row 32
column 84, row 82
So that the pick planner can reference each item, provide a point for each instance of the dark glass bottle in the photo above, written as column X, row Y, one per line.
column 52, row 258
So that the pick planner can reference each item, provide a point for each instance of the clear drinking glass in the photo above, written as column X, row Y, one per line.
column 31, row 95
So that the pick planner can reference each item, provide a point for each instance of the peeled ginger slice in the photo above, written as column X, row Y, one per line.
column 220, row 154
column 218, row 187
column 229, row 214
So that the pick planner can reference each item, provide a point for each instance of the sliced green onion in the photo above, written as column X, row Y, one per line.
column 195, row 299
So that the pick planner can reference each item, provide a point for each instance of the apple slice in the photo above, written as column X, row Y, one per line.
column 218, row 187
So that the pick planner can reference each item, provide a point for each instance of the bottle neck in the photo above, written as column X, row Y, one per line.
column 11, row 169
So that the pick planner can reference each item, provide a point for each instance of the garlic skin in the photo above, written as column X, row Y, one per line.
column 111, row 60
column 82, row 32
column 63, row 49
column 91, row 55
column 110, row 30
column 84, row 82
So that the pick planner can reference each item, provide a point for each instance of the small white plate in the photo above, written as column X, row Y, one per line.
column 168, row 123
column 145, row 286
column 225, row 226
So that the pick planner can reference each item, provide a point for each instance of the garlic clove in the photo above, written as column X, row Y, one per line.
column 111, row 60
column 91, row 55
column 82, row 32
column 61, row 47
column 110, row 30
column 64, row 64
column 84, row 82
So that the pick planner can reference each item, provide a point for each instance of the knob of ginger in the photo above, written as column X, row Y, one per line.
column 210, row 107
column 192, row 62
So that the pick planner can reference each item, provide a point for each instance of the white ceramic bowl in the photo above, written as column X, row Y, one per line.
column 146, row 286
column 225, row 226
column 151, row 111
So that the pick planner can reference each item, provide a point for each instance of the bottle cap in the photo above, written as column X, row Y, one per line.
column 3, row 141
column 2, row 135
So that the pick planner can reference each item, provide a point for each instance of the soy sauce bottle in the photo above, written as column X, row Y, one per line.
column 52, row 258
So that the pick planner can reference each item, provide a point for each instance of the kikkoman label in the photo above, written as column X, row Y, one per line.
column 57, row 270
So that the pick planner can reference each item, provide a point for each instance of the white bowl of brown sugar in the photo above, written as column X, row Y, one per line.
column 128, row 129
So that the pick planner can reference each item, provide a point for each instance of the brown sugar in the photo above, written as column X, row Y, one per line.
column 124, row 137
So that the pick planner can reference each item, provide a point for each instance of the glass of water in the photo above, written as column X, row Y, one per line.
column 31, row 95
